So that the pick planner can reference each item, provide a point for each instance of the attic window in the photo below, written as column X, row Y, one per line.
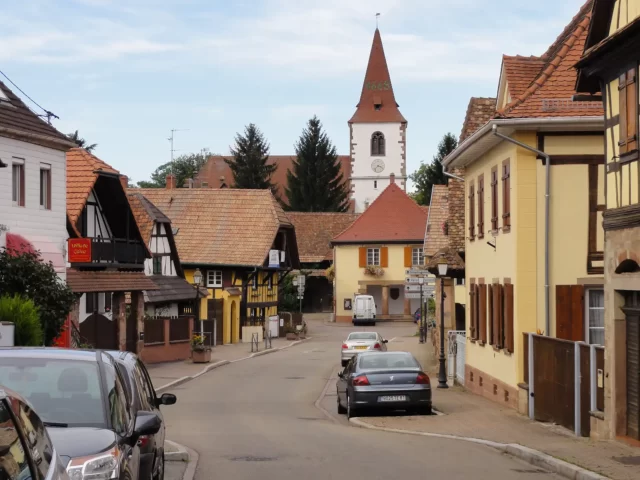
column 377, row 102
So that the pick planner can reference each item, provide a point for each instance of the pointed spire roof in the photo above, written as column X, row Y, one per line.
column 377, row 101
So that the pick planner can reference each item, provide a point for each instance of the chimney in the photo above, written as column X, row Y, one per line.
column 124, row 180
column 392, row 178
column 455, row 222
column 171, row 181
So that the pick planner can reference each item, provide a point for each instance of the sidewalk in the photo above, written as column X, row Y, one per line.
column 164, row 373
column 469, row 415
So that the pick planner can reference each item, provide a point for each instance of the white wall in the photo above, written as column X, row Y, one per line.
column 160, row 245
column 45, row 229
column 362, row 175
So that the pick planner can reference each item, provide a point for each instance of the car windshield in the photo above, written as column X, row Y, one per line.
column 63, row 392
column 388, row 360
column 362, row 336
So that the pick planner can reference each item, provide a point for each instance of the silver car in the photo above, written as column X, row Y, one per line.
column 358, row 342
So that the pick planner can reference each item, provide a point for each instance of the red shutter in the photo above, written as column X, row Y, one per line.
column 498, row 321
column 482, row 312
column 508, row 316
column 472, row 209
column 570, row 312
column 384, row 257
column 632, row 110
column 473, row 330
column 494, row 198
column 481, row 206
column 362, row 256
column 506, row 195
column 491, row 315
column 408, row 256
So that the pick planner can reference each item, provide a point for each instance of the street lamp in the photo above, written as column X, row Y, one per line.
column 423, row 334
column 197, row 280
column 442, row 373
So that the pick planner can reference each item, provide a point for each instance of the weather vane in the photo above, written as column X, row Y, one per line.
column 377, row 15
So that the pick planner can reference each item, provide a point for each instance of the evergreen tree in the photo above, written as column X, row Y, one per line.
column 433, row 174
column 250, row 165
column 315, row 183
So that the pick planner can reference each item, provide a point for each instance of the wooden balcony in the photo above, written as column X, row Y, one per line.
column 111, row 252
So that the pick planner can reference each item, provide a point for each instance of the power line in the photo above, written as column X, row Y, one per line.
column 48, row 114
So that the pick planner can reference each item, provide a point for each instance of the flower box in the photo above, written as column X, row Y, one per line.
column 201, row 356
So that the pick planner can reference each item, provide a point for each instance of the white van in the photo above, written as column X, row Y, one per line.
column 364, row 310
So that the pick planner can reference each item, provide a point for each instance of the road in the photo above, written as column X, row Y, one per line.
column 256, row 419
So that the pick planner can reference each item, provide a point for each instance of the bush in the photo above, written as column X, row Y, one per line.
column 23, row 313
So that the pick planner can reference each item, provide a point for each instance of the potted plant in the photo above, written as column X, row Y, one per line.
column 200, row 353
column 373, row 271
column 292, row 333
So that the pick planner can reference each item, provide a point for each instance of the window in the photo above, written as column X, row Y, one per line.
column 375, row 184
column 45, row 186
column 459, row 281
column 107, row 302
column 595, row 316
column 17, row 465
column 628, row 94
column 118, row 410
column 17, row 182
column 472, row 211
column 418, row 256
column 214, row 278
column 36, row 438
column 91, row 302
column 373, row 256
column 377, row 144
column 481, row 206
column 506, row 196
column 494, row 199
column 157, row 265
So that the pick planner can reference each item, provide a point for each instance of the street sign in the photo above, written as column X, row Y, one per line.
column 413, row 271
column 417, row 279
column 412, row 296
column 301, row 279
column 416, row 288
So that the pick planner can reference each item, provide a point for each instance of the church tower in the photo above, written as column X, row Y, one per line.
column 378, row 134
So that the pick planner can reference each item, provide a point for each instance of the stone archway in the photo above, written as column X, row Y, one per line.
column 235, row 323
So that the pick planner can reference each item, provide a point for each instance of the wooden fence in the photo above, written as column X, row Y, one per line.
column 563, row 381
column 167, row 339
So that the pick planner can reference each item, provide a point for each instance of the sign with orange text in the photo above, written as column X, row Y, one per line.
column 79, row 250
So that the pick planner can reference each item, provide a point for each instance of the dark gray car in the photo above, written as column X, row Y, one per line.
column 383, row 381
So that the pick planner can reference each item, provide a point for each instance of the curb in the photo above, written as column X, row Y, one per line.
column 526, row 454
column 182, row 455
column 222, row 363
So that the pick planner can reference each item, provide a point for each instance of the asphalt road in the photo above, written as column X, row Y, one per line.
column 256, row 419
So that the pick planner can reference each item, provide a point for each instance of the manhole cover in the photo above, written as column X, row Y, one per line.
column 252, row 458
column 293, row 378
column 628, row 460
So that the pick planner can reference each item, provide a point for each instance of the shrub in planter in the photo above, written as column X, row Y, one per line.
column 200, row 353
column 24, row 314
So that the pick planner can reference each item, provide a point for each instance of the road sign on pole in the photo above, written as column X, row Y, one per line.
column 417, row 288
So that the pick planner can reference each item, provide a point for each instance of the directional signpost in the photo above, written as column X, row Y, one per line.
column 419, row 284
column 300, row 281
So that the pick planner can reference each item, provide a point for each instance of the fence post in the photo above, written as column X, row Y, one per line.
column 531, row 371
column 593, row 373
column 576, row 390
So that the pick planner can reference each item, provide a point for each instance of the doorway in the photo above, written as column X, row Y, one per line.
column 632, row 320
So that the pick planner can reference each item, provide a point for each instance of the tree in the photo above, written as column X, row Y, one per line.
column 433, row 174
column 316, row 183
column 27, row 275
column 250, row 165
column 24, row 314
column 183, row 167
column 81, row 142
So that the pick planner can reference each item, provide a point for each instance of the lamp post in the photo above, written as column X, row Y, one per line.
column 422, row 332
column 442, row 373
column 197, row 281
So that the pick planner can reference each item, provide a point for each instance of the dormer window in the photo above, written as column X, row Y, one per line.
column 377, row 144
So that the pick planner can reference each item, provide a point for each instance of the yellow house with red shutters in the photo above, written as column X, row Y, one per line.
column 371, row 256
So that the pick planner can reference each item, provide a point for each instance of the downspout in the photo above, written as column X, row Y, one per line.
column 547, row 198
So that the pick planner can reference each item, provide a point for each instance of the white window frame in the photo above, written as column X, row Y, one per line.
column 373, row 257
column 587, row 309
column 417, row 253
column 214, row 278
column 21, row 181
column 44, row 195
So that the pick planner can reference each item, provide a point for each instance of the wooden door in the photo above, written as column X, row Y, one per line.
column 632, row 313
column 215, row 314
column 100, row 332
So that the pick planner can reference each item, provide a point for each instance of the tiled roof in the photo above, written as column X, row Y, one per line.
column 146, row 214
column 171, row 289
column 393, row 216
column 216, row 168
column 85, row 281
column 17, row 121
column 549, row 95
column 314, row 232
column 81, row 178
column 479, row 112
column 377, row 89
column 435, row 239
column 221, row 226
column 520, row 72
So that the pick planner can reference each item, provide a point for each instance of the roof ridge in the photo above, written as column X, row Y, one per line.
column 571, row 26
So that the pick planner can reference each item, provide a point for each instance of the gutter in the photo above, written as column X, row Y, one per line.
column 39, row 139
column 547, row 198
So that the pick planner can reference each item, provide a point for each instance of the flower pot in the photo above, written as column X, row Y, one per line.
column 201, row 356
column 292, row 336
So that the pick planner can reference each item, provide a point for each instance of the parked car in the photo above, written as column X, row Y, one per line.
column 383, row 381
column 26, row 451
column 81, row 398
column 358, row 342
column 143, row 398
column 364, row 310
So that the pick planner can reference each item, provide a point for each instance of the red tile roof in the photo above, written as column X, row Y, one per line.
column 392, row 217
column 81, row 177
column 435, row 239
column 520, row 72
column 377, row 89
column 314, row 232
column 479, row 112
column 108, row 281
column 549, row 95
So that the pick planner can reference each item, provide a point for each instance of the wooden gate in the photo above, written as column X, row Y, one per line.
column 632, row 313
column 215, row 314
column 132, row 332
column 100, row 332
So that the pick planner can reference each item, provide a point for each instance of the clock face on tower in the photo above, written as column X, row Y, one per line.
column 377, row 165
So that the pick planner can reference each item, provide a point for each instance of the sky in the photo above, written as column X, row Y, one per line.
column 126, row 72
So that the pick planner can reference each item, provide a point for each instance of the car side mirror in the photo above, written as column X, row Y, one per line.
column 166, row 399
column 147, row 423
column 385, row 341
column 341, row 374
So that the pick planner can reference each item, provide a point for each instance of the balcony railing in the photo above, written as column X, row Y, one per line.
column 117, row 250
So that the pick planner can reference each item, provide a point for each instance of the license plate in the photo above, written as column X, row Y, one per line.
column 361, row 348
column 393, row 398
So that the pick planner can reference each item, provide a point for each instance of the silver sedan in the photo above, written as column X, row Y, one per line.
column 358, row 342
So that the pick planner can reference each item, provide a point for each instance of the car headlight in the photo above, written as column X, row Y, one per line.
column 101, row 466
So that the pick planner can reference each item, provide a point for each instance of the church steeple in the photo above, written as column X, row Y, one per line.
column 377, row 101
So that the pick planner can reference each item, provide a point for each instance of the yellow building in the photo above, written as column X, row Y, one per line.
column 610, row 66
column 531, row 265
column 242, row 244
column 372, row 255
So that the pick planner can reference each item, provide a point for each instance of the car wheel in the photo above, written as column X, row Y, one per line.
column 350, row 409
column 160, row 473
column 425, row 411
column 341, row 409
